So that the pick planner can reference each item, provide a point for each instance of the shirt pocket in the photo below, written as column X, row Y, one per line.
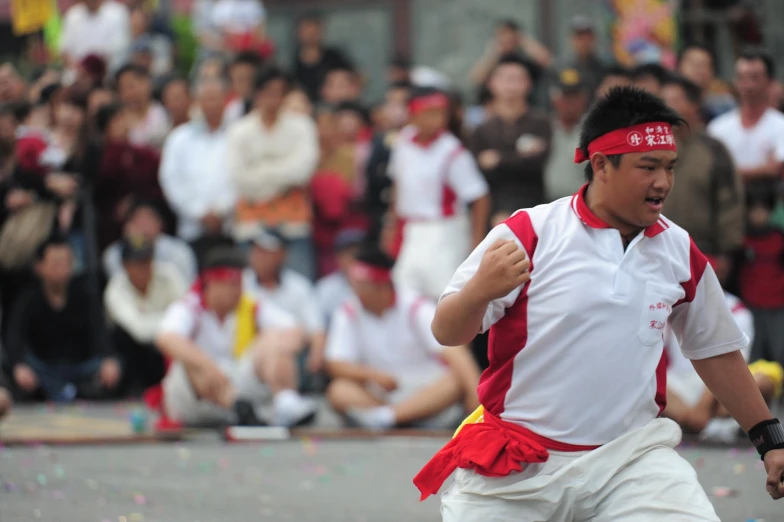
column 657, row 306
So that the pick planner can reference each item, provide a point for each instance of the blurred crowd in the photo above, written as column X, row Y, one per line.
column 244, row 236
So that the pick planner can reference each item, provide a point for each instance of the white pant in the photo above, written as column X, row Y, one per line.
column 431, row 253
column 182, row 404
column 636, row 478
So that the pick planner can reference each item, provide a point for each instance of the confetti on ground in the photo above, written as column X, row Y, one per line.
column 267, row 452
column 136, row 517
column 224, row 463
column 139, row 499
column 184, row 453
column 58, row 495
column 91, row 484
column 723, row 492
column 42, row 479
column 59, row 472
column 700, row 462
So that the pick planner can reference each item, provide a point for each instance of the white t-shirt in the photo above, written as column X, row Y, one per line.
column 189, row 318
column 332, row 291
column 577, row 354
column 238, row 16
column 752, row 147
column 399, row 342
column 435, row 180
column 107, row 32
column 294, row 294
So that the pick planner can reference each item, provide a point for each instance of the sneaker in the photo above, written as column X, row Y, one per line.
column 246, row 415
column 725, row 431
column 376, row 419
column 297, row 412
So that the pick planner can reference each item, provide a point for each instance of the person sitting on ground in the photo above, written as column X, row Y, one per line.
column 387, row 368
column 56, row 339
column 227, row 352
column 333, row 290
column 145, row 220
column 690, row 403
column 269, row 281
column 136, row 299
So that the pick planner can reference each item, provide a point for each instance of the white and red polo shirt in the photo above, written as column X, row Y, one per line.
column 398, row 342
column 576, row 354
column 433, row 180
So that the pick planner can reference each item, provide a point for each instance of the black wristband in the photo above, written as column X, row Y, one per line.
column 767, row 435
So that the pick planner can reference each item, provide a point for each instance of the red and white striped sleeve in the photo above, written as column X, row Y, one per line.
column 702, row 321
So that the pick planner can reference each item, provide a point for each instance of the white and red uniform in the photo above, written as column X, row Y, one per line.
column 189, row 318
column 399, row 343
column 577, row 362
column 434, row 183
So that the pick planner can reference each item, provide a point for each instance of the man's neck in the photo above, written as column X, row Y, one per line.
column 750, row 113
column 381, row 311
column 142, row 108
column 269, row 118
column 214, row 123
column 510, row 110
column 270, row 283
column 56, row 294
column 568, row 124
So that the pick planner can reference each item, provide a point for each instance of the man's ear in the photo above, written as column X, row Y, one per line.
column 600, row 165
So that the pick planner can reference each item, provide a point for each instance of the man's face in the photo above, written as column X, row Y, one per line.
column 266, row 263
column 309, row 32
column 349, row 123
column 139, row 274
column 144, row 222
column 133, row 89
column 373, row 296
column 242, row 76
column 212, row 100
column 339, row 86
column 298, row 102
column 510, row 82
column 583, row 43
column 224, row 295
column 570, row 106
column 99, row 98
column 396, row 107
column 69, row 116
column 697, row 66
column 648, row 83
column 610, row 81
column 177, row 100
column 92, row 5
column 56, row 266
column 751, row 80
column 507, row 40
column 675, row 97
column 270, row 98
column 638, row 186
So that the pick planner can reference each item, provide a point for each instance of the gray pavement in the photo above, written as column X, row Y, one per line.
column 303, row 480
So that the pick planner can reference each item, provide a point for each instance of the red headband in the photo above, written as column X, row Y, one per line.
column 644, row 137
column 223, row 275
column 432, row 101
column 374, row 274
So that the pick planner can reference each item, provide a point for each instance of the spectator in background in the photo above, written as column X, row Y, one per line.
column 334, row 289
column 387, row 369
column 584, row 56
column 243, row 71
column 341, row 84
column 754, row 132
column 649, row 77
column 313, row 59
column 176, row 99
column 91, row 73
column 194, row 174
column 511, row 39
column 149, row 124
column 70, row 357
column 229, row 354
column 441, row 200
column 144, row 221
column 614, row 76
column 150, row 50
column 696, row 63
column 762, row 276
column 399, row 70
column 97, row 98
column 100, row 27
column 135, row 300
column 709, row 200
column 269, row 282
column 562, row 176
column 12, row 85
column 272, row 157
column 512, row 147
column 298, row 101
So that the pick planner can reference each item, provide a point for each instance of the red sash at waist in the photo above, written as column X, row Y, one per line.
column 492, row 448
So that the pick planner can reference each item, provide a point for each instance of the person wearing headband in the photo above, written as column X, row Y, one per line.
column 576, row 295
column 387, row 369
column 220, row 342
column 441, row 202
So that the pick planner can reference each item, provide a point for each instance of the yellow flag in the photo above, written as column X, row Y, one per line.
column 29, row 16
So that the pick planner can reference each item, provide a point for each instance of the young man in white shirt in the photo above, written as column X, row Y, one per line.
column 101, row 27
column 333, row 290
column 136, row 299
column 225, row 350
column 576, row 295
column 269, row 281
column 387, row 369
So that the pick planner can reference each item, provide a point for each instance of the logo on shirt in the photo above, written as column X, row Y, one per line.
column 634, row 138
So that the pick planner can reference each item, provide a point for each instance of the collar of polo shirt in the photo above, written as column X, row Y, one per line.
column 590, row 219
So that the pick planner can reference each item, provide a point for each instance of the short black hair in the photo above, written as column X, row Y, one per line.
column 400, row 60
column 697, row 47
column 251, row 58
column 270, row 74
column 690, row 89
column 130, row 68
column 514, row 59
column 342, row 65
column 55, row 240
column 372, row 255
column 224, row 256
column 508, row 23
column 354, row 107
column 173, row 80
column 140, row 203
column 650, row 69
column 617, row 70
column 762, row 55
column 106, row 114
column 622, row 107
column 20, row 110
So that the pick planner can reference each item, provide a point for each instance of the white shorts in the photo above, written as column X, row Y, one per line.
column 182, row 404
column 638, row 477
column 431, row 253
column 687, row 386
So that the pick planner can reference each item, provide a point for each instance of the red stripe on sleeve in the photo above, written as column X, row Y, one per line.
column 697, row 264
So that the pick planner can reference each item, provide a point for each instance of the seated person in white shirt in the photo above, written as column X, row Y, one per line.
column 268, row 281
column 226, row 349
column 334, row 289
column 387, row 367
column 136, row 299
column 144, row 219
column 690, row 403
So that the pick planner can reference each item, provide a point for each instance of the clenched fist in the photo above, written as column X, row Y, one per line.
column 503, row 268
